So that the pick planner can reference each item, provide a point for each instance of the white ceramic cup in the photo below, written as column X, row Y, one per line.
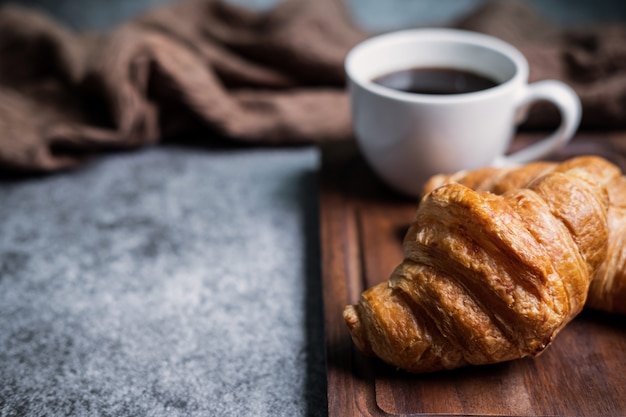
column 408, row 137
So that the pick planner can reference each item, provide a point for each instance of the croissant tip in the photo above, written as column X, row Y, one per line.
column 353, row 321
column 351, row 317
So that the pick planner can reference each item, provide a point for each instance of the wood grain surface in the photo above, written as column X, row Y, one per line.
column 362, row 224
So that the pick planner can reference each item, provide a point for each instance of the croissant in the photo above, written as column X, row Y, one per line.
column 608, row 287
column 486, row 278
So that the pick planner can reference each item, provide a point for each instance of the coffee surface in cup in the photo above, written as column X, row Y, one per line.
column 435, row 80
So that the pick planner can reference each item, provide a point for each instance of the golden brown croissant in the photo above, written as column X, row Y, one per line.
column 608, row 288
column 486, row 278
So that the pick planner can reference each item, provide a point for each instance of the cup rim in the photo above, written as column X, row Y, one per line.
column 437, row 34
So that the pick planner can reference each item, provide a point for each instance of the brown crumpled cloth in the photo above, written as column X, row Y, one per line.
column 272, row 78
column 591, row 60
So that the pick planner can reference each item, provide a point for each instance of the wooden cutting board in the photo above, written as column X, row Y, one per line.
column 362, row 224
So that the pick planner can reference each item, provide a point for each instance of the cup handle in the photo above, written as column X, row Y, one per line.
column 568, row 105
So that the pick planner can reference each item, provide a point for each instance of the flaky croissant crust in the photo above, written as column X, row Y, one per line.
column 608, row 287
column 486, row 278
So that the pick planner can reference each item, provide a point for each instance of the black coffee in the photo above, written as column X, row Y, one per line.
column 435, row 81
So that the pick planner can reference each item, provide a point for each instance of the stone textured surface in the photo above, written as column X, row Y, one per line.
column 166, row 282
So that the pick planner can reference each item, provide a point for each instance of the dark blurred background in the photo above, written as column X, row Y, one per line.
column 372, row 15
